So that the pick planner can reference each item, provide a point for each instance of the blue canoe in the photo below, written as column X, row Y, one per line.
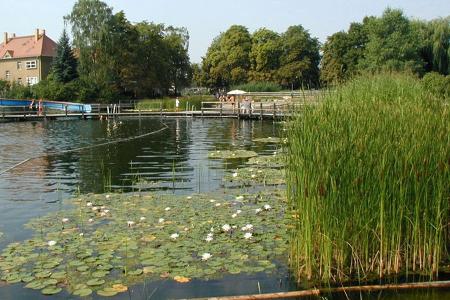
column 56, row 105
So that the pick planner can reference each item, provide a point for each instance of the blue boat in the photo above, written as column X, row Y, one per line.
column 55, row 105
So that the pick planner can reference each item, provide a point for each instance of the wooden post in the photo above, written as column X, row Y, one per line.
column 221, row 107
column 274, row 110
column 238, row 110
column 202, row 109
column 160, row 109
column 261, row 110
column 24, row 112
column 65, row 109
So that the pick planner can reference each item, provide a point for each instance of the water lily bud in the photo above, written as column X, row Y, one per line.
column 51, row 243
column 89, row 204
column 65, row 220
column 235, row 174
column 160, row 220
column 91, row 220
column 206, row 256
column 174, row 236
column 234, row 216
column 142, row 219
column 167, row 208
column 107, row 196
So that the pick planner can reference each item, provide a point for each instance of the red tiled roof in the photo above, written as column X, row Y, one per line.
column 27, row 46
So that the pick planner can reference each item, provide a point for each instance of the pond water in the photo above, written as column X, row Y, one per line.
column 174, row 160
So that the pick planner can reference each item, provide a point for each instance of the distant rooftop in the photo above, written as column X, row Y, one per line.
column 27, row 46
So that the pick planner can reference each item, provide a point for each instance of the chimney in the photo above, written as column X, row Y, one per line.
column 43, row 31
column 14, row 35
column 36, row 34
column 5, row 38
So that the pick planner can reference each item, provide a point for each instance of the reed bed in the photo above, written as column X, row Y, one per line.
column 368, row 176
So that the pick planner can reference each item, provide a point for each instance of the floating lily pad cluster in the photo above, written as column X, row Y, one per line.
column 274, row 140
column 252, row 176
column 109, row 242
column 232, row 154
column 267, row 161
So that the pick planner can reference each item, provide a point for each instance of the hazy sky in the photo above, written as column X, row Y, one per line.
column 205, row 19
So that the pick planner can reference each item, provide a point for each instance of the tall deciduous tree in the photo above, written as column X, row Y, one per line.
column 392, row 44
column 264, row 55
column 64, row 66
column 299, row 61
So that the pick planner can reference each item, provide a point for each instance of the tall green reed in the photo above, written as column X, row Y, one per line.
column 368, row 176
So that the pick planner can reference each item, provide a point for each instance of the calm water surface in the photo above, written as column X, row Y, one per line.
column 172, row 161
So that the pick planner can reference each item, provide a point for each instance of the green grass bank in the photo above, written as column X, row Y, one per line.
column 168, row 104
column 368, row 176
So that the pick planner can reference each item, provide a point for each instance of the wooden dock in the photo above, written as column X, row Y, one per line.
column 259, row 110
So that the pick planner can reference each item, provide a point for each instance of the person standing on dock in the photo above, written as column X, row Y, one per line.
column 177, row 104
column 40, row 107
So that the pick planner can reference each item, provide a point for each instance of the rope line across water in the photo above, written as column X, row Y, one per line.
column 86, row 147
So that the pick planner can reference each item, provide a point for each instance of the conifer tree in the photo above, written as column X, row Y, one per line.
column 65, row 63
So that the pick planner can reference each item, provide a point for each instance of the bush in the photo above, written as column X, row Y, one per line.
column 259, row 87
column 368, row 177
column 437, row 84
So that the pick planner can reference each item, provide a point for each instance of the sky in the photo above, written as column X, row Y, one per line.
column 205, row 19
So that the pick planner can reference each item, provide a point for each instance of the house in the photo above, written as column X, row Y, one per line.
column 26, row 59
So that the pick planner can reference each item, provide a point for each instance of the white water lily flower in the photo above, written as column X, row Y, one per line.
column 210, row 234
column 235, row 174
column 234, row 216
column 218, row 204
column 251, row 170
column 267, row 207
column 253, row 176
column 89, row 204
column 102, row 214
column 258, row 210
column 167, row 208
column 91, row 220
column 259, row 171
column 212, row 229
column 106, row 211
column 174, row 236
column 234, row 226
column 102, row 207
column 206, row 256
column 142, row 219
column 275, row 153
column 212, row 200
column 209, row 239
column 130, row 223
column 226, row 227
column 51, row 243
column 107, row 196
column 238, row 211
column 81, row 234
column 160, row 220
column 248, row 235
column 95, row 208
column 188, row 197
column 247, row 227
column 65, row 220
column 240, row 198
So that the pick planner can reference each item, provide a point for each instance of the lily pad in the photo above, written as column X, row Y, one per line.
column 107, row 292
column 228, row 154
column 82, row 292
column 95, row 282
column 51, row 290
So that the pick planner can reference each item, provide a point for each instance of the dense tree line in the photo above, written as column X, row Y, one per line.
column 235, row 57
column 115, row 58
column 391, row 42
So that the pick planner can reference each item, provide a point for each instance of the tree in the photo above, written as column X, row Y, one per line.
column 392, row 44
column 227, row 60
column 64, row 66
column 342, row 53
column 264, row 55
column 299, row 61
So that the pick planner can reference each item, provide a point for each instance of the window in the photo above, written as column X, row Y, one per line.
column 7, row 74
column 32, row 80
column 19, row 80
column 19, row 65
column 31, row 64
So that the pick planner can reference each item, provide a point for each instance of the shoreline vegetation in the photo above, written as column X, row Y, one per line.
column 368, row 175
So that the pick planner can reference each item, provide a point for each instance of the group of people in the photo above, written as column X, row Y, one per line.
column 245, row 104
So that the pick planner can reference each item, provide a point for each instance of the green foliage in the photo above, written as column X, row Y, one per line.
column 227, row 60
column 236, row 57
column 299, row 61
column 64, row 66
column 392, row 44
column 259, row 87
column 54, row 90
column 168, row 104
column 367, row 174
column 118, row 59
column 437, row 84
